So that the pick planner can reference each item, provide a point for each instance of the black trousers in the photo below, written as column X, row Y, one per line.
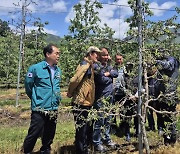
column 128, row 110
column 117, row 99
column 163, row 118
column 41, row 124
column 150, row 116
column 83, row 135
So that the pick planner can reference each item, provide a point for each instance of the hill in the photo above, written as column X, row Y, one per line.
column 50, row 38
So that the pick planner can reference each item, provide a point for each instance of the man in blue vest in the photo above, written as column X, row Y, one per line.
column 42, row 85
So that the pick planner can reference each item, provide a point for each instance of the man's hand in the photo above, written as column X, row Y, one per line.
column 106, row 74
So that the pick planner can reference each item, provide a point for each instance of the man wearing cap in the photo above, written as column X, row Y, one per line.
column 104, row 74
column 82, row 91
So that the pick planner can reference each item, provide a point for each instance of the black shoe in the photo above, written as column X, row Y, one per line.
column 167, row 139
column 160, row 132
column 47, row 151
column 100, row 148
column 170, row 139
column 173, row 138
column 128, row 138
column 112, row 145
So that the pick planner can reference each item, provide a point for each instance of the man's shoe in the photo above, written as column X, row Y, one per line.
column 128, row 138
column 47, row 151
column 111, row 145
column 160, row 132
column 167, row 139
column 173, row 138
column 100, row 148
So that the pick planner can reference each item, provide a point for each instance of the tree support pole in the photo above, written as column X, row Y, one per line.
column 140, row 69
column 20, row 50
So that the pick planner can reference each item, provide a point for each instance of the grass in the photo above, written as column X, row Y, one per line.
column 12, row 137
column 13, row 131
column 13, row 102
column 13, row 134
column 10, row 91
column 66, row 101
column 26, row 102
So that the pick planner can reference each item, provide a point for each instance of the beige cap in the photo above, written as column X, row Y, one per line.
column 93, row 48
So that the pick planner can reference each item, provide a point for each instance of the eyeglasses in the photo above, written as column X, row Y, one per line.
column 119, row 59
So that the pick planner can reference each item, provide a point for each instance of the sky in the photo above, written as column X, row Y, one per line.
column 59, row 12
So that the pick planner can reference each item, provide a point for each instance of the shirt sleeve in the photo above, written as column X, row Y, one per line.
column 167, row 64
column 29, row 82
column 77, row 78
column 114, row 73
column 102, row 79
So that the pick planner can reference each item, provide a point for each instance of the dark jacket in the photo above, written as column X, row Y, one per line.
column 155, row 85
column 103, row 84
column 170, row 67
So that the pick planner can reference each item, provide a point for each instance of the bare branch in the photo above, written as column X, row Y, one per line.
column 162, row 112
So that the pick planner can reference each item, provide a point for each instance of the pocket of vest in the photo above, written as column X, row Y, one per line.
column 43, row 76
column 43, row 80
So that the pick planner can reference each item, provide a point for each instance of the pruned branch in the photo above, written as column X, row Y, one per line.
column 162, row 112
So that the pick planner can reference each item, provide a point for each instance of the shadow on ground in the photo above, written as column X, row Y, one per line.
column 68, row 149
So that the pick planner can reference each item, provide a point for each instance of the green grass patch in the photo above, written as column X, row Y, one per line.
column 65, row 131
column 66, row 101
column 13, row 102
column 10, row 91
column 12, row 137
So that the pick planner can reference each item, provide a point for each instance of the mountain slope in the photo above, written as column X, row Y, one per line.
column 52, row 38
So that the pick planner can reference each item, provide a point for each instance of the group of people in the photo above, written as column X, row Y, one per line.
column 95, row 84
column 163, row 95
column 91, row 85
